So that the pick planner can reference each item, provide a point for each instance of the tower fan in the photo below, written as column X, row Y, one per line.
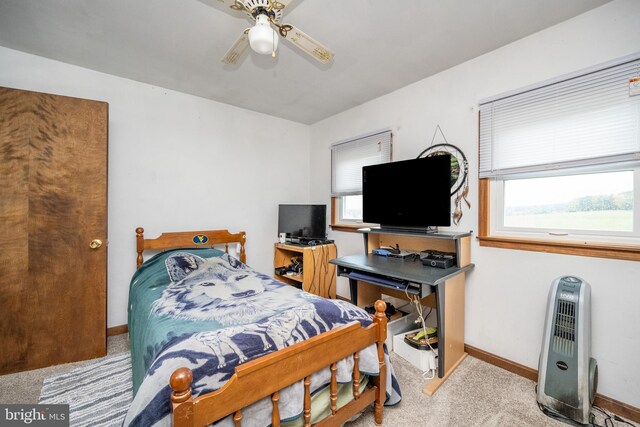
column 567, row 374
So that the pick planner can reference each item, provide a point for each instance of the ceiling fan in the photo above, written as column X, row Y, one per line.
column 263, row 39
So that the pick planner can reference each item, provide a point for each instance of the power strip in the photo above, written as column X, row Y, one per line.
column 432, row 359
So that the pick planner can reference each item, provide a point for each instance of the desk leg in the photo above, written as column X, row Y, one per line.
column 440, row 301
column 450, row 298
column 353, row 287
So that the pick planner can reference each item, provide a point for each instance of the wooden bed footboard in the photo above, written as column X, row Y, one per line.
column 267, row 375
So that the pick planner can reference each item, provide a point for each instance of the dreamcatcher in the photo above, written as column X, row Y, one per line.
column 459, row 172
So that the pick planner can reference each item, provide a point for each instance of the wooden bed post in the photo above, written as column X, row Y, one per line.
column 243, row 255
column 181, row 403
column 139, row 245
column 381, row 380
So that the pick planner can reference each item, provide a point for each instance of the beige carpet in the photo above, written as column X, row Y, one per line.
column 24, row 387
column 476, row 394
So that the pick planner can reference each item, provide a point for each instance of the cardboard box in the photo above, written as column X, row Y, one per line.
column 403, row 324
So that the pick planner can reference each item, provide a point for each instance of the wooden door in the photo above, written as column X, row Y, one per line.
column 53, row 203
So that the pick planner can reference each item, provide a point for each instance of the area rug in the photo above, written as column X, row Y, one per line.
column 98, row 394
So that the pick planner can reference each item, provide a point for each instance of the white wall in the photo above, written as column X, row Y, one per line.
column 507, row 291
column 179, row 162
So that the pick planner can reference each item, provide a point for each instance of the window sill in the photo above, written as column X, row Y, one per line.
column 581, row 248
column 349, row 228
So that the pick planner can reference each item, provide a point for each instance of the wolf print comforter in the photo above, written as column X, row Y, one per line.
column 205, row 310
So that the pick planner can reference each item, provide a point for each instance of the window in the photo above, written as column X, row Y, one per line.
column 590, row 204
column 561, row 161
column 351, row 208
column 347, row 160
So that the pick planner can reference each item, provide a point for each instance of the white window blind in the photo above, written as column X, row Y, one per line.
column 348, row 158
column 588, row 119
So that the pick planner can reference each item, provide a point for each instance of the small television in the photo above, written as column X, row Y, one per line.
column 303, row 221
column 410, row 194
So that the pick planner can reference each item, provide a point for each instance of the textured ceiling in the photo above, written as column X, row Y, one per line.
column 379, row 45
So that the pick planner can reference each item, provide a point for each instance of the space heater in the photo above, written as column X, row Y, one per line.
column 567, row 374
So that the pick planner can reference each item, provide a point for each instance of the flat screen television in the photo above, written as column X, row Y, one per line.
column 410, row 194
column 307, row 221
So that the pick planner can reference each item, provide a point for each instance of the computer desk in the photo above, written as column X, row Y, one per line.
column 447, row 284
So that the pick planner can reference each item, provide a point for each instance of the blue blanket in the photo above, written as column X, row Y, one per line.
column 207, row 311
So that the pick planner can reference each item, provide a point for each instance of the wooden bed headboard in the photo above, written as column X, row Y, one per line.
column 186, row 239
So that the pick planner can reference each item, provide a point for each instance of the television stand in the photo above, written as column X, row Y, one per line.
column 411, row 230
column 440, row 288
column 317, row 276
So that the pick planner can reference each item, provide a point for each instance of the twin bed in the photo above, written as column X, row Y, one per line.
column 214, row 341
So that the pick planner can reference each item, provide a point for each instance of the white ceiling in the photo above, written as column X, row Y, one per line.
column 380, row 45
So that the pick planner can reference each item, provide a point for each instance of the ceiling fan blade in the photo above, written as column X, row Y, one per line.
column 238, row 49
column 280, row 4
column 233, row 4
column 307, row 44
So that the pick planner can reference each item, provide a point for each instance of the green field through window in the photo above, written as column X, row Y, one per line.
column 618, row 220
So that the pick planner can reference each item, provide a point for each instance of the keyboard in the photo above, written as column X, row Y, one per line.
column 380, row 280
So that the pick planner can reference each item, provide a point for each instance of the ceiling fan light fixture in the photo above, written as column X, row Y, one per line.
column 264, row 35
column 262, row 38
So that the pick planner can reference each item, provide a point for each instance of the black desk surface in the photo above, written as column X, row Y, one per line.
column 411, row 270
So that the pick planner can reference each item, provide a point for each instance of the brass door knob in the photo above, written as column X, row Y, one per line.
column 95, row 243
